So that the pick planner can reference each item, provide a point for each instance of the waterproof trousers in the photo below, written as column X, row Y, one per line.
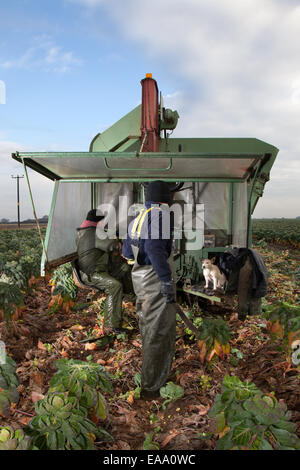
column 114, row 292
column 157, row 323
column 120, row 270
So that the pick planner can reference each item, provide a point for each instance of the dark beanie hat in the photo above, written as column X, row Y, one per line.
column 93, row 217
column 158, row 191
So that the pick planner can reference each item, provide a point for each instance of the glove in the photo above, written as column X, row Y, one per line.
column 168, row 291
column 115, row 246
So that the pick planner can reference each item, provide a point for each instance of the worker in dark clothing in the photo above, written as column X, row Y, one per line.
column 94, row 261
column 247, row 276
column 149, row 244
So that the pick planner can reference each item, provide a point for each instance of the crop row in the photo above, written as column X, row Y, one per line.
column 20, row 259
column 277, row 230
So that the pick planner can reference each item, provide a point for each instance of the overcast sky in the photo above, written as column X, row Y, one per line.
column 71, row 68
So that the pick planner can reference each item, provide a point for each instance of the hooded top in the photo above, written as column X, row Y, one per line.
column 155, row 243
column 159, row 192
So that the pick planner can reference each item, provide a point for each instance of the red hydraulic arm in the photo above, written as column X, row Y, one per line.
column 150, row 115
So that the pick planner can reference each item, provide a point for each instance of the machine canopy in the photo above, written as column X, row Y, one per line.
column 221, row 160
column 227, row 175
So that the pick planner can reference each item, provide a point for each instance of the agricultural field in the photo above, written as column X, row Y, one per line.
column 22, row 226
column 67, row 384
column 280, row 231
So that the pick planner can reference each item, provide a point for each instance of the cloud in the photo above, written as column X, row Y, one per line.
column 41, row 187
column 44, row 54
column 62, row 61
column 6, row 149
column 239, row 62
column 235, row 64
column 2, row 92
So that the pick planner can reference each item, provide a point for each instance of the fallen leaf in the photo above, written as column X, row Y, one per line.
column 25, row 330
column 101, row 362
column 111, row 360
column 203, row 352
column 183, row 379
column 36, row 381
column 225, row 430
column 24, row 420
column 21, row 369
column 41, row 346
column 32, row 281
column 90, row 346
column 202, row 410
column 77, row 328
column 130, row 398
column 168, row 438
column 218, row 348
column 277, row 329
column 200, row 344
column 191, row 357
column 92, row 437
column 67, row 340
column 226, row 348
column 210, row 355
column 122, row 445
column 242, row 335
column 136, row 344
column 35, row 396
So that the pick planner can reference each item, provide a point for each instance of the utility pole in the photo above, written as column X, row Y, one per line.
column 18, row 195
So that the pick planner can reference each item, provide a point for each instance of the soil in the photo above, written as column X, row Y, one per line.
column 38, row 339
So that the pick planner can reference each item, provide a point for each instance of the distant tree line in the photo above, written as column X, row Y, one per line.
column 42, row 220
column 275, row 218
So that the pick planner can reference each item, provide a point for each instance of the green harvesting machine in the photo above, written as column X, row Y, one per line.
column 219, row 179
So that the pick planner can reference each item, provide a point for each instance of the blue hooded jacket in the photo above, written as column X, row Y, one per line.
column 155, row 242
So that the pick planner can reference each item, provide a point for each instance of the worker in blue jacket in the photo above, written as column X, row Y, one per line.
column 149, row 246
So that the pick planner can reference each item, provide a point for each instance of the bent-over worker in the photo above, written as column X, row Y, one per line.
column 94, row 260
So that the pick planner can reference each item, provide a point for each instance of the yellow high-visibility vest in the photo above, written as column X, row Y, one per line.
column 137, row 226
column 138, row 222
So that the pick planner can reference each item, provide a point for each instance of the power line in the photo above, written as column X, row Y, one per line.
column 18, row 177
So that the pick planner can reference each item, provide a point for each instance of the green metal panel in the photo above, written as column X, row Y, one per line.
column 126, row 164
column 239, row 155
column 49, row 224
column 154, row 178
column 207, row 251
column 131, row 145
column 218, row 145
column 251, row 194
column 230, row 211
column 94, row 195
column 128, row 126
column 179, row 166
column 261, row 179
column 211, row 298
